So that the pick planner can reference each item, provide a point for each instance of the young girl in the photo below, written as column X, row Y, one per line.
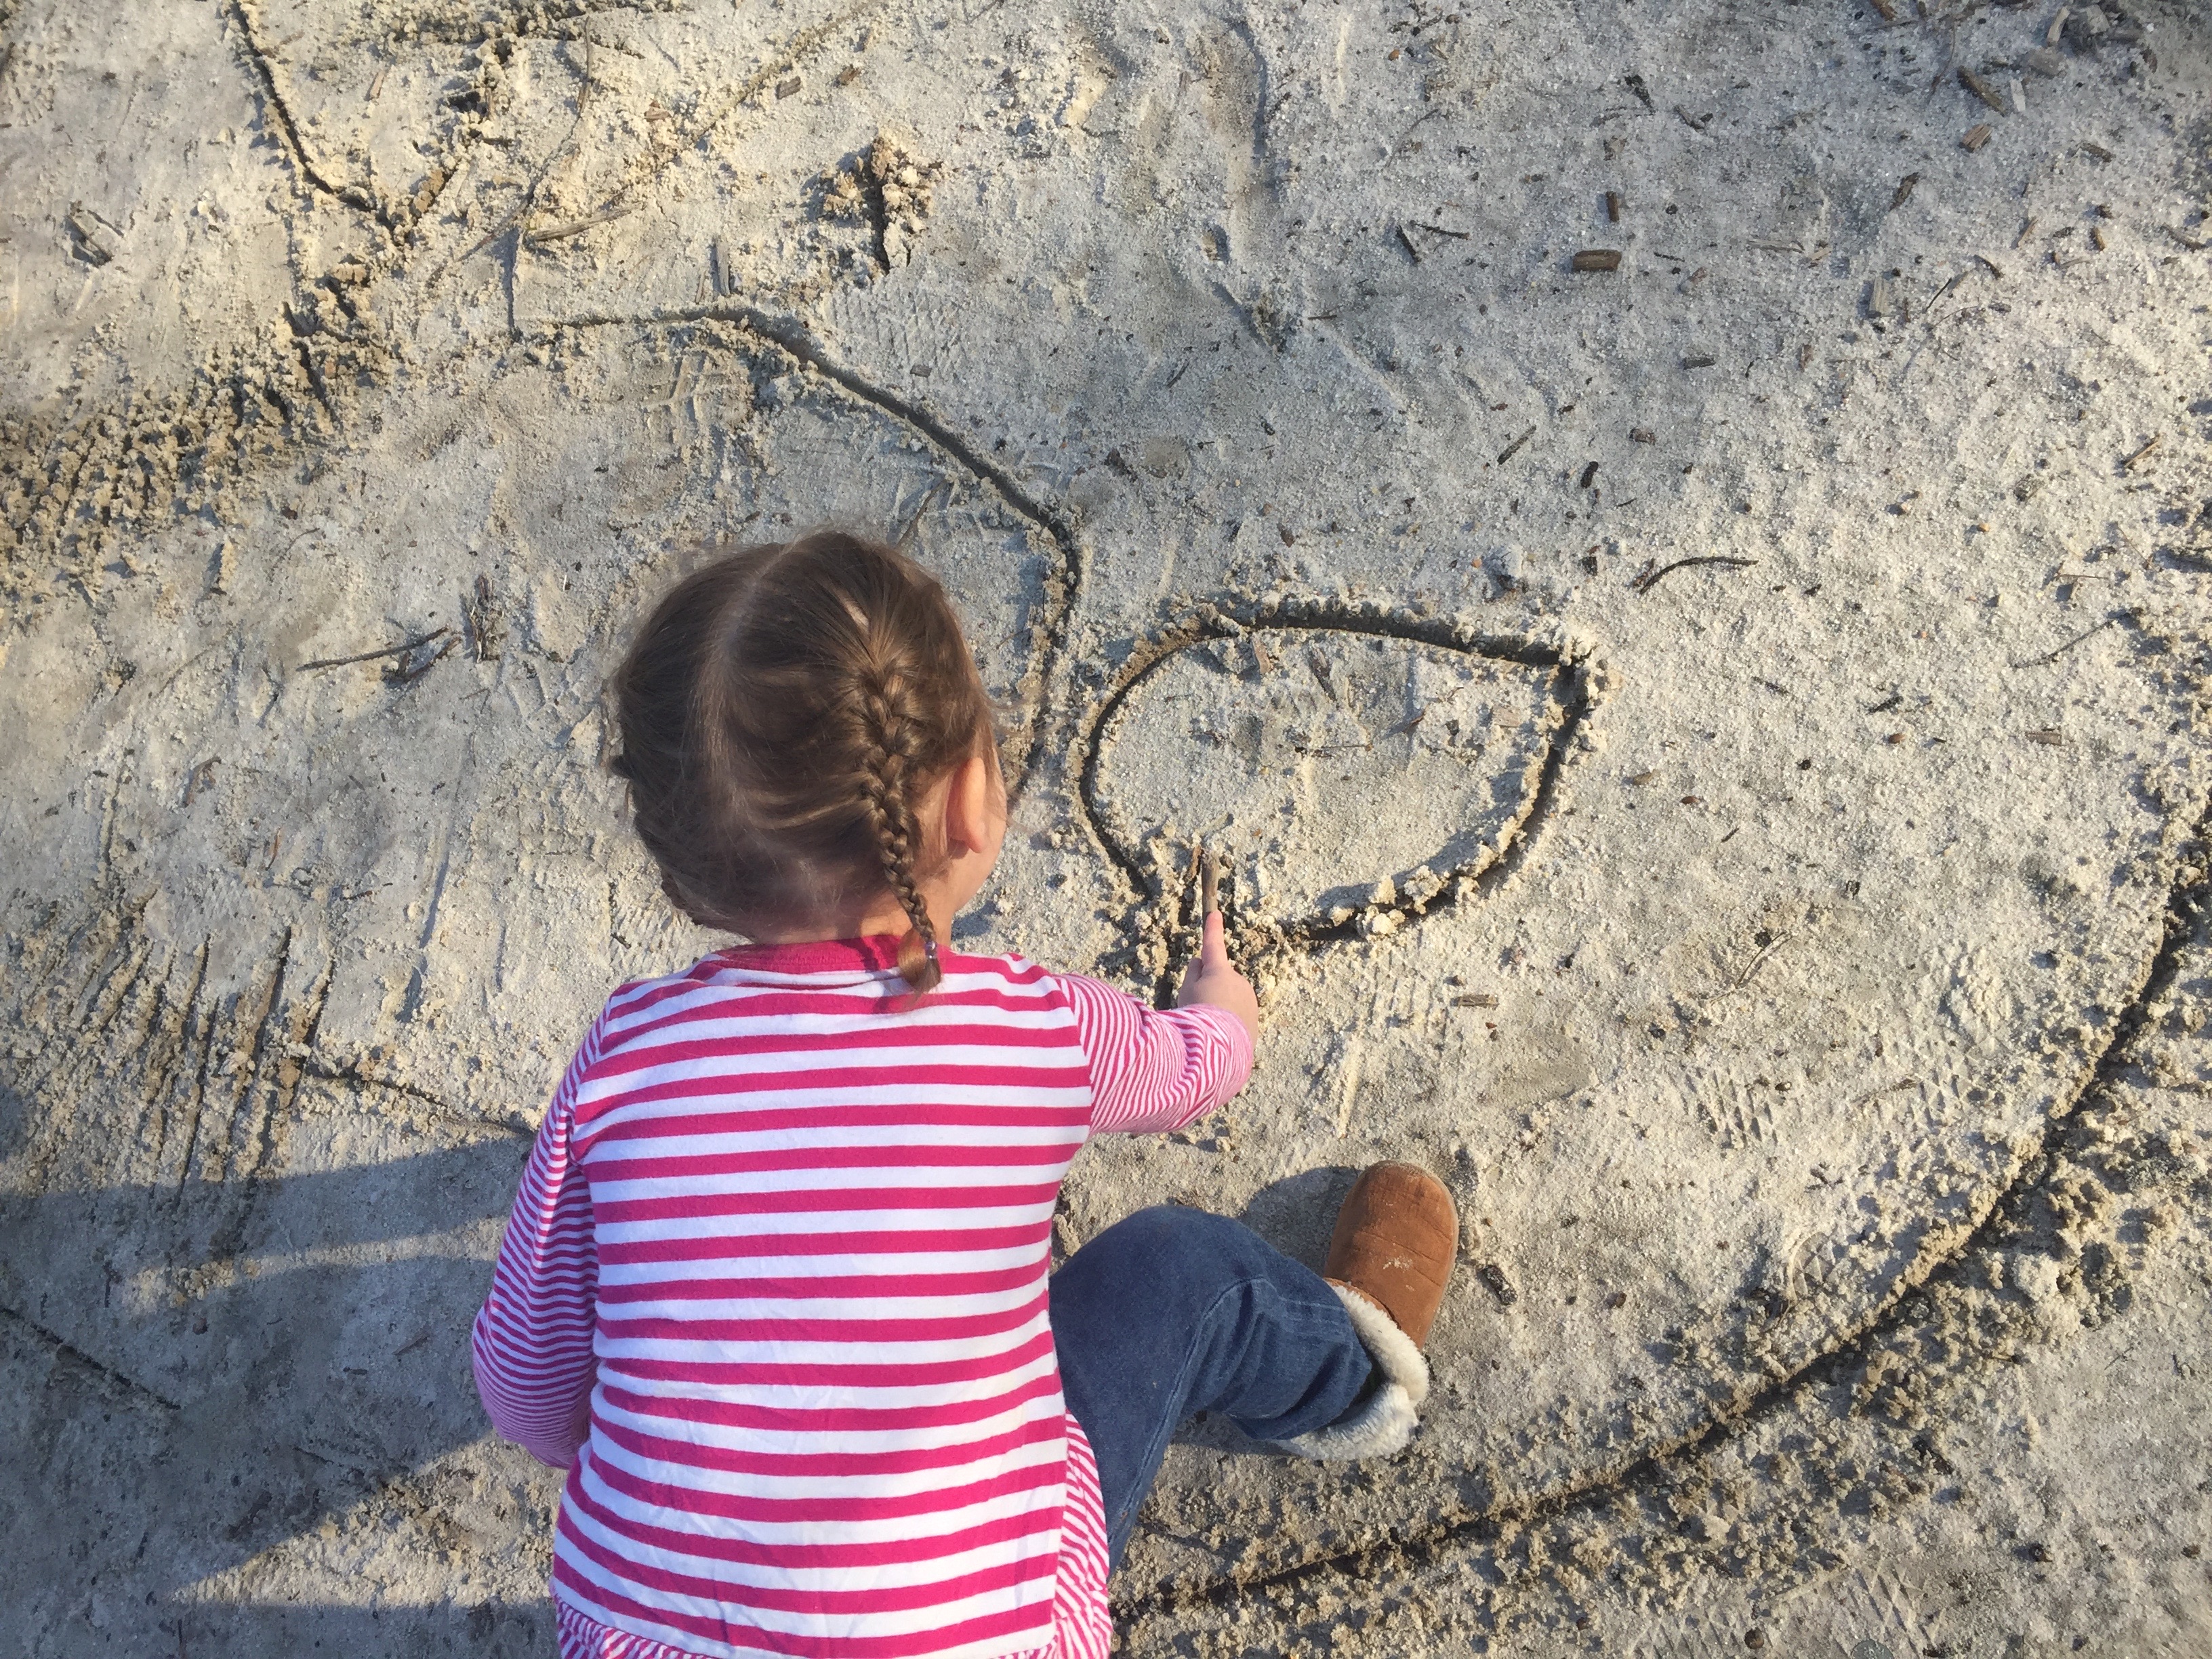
column 775, row 1288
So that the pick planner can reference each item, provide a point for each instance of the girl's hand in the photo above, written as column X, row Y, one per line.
column 1212, row 981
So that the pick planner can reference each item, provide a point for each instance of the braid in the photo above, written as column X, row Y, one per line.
column 886, row 771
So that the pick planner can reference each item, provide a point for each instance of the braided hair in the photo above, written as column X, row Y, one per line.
column 782, row 713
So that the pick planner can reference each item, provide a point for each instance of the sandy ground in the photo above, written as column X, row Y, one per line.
column 1711, row 750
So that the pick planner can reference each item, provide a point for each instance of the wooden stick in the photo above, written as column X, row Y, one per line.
column 1209, row 881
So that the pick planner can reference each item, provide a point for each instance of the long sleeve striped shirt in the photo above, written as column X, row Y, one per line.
column 774, row 1291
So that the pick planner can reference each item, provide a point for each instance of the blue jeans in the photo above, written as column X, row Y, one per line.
column 1174, row 1311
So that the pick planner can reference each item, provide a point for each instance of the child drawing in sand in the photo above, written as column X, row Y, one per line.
column 775, row 1288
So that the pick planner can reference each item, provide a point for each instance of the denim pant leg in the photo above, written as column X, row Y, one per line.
column 1174, row 1311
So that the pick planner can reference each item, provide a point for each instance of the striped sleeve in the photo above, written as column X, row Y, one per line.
column 531, row 1349
column 1154, row 1069
column 1081, row 1616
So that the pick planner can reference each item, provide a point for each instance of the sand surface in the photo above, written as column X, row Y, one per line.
column 1710, row 753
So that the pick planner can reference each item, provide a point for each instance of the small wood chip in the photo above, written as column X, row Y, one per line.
column 1475, row 999
column 1641, row 778
column 2050, row 734
column 1693, row 800
column 577, row 226
column 1975, row 138
column 2142, row 454
column 2097, row 238
column 1886, row 11
column 1981, row 89
column 1642, row 434
column 2097, row 150
column 785, row 87
column 1698, row 360
column 1513, row 448
column 1613, row 206
column 1903, row 191
column 848, row 75
column 1597, row 258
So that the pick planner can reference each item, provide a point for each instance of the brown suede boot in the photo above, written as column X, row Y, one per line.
column 1397, row 1239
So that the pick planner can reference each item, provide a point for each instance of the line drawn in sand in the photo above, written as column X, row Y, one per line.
column 1242, row 706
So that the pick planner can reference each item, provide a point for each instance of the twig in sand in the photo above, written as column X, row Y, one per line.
column 415, row 644
column 1651, row 578
column 2142, row 454
column 577, row 226
column 1513, row 448
column 2050, row 657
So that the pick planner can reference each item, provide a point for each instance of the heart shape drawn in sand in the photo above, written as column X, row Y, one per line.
column 1355, row 767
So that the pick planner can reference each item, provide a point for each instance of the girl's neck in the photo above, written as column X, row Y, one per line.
column 867, row 922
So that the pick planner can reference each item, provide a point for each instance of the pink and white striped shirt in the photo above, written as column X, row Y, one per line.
column 786, row 1231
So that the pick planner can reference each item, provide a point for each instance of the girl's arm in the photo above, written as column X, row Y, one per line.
column 1152, row 1071
column 532, row 1344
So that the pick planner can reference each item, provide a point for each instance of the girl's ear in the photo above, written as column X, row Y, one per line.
column 975, row 817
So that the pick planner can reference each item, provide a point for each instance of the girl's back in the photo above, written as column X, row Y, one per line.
column 815, row 1219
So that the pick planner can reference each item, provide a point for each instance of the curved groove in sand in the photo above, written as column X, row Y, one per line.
column 1573, row 689
column 2189, row 903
